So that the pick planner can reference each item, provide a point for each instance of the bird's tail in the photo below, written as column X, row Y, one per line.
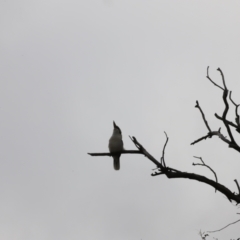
column 116, row 162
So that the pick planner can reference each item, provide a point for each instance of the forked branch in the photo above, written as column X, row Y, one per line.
column 205, row 165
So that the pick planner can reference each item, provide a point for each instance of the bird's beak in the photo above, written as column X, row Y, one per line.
column 114, row 124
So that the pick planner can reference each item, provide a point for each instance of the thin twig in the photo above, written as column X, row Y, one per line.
column 144, row 152
column 224, row 84
column 225, row 94
column 212, row 80
column 228, row 122
column 200, row 139
column 163, row 152
column 224, row 227
column 210, row 134
column 236, row 110
column 205, row 165
column 230, row 97
column 235, row 180
column 203, row 116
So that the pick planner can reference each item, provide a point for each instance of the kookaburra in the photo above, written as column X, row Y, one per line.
column 116, row 145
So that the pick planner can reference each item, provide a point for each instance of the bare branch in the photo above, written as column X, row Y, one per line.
column 144, row 152
column 221, row 188
column 110, row 154
column 236, row 110
column 163, row 152
column 224, row 227
column 228, row 122
column 230, row 97
column 204, row 165
column 210, row 134
column 235, row 180
column 203, row 235
column 237, row 127
column 224, row 84
column 200, row 139
column 173, row 173
column 225, row 94
column 203, row 116
column 212, row 80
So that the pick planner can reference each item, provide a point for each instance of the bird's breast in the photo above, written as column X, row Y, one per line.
column 115, row 144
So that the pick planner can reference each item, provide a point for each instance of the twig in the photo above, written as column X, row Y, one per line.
column 224, row 84
column 204, row 165
column 228, row 122
column 236, row 110
column 225, row 94
column 203, row 116
column 224, row 227
column 235, row 180
column 230, row 97
column 144, row 152
column 212, row 80
column 163, row 152
column 213, row 133
column 200, row 139
column 203, row 235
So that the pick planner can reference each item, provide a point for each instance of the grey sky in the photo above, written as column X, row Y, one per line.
column 68, row 69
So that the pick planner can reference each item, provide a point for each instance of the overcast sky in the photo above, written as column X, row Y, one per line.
column 68, row 69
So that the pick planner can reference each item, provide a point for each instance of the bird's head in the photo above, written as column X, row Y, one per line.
column 116, row 129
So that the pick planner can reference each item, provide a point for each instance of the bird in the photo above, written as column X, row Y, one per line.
column 116, row 145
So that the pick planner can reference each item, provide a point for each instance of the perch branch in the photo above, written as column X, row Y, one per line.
column 109, row 154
